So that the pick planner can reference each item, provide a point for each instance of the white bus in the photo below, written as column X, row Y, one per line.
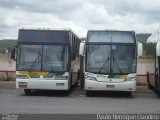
column 154, row 66
column 109, row 61
column 46, row 59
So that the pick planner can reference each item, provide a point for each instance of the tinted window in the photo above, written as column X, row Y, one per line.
column 111, row 37
column 111, row 59
column 123, row 59
column 98, row 58
column 121, row 37
column 42, row 58
column 29, row 57
column 55, row 58
column 43, row 36
column 99, row 37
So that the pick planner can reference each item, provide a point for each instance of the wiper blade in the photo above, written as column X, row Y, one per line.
column 107, row 61
column 34, row 62
column 114, row 61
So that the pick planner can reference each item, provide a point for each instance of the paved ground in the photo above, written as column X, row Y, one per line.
column 14, row 101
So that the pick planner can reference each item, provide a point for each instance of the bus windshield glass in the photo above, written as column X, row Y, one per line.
column 123, row 59
column 42, row 58
column 98, row 60
column 118, row 59
column 55, row 58
column 112, row 52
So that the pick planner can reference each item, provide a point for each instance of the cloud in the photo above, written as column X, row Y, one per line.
column 80, row 16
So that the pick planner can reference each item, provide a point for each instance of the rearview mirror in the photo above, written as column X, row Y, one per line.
column 81, row 48
column 158, row 49
column 139, row 49
column 14, row 53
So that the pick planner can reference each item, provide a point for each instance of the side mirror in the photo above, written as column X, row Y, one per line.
column 139, row 49
column 158, row 49
column 81, row 48
column 14, row 53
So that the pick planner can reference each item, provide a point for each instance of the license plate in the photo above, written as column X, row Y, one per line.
column 109, row 86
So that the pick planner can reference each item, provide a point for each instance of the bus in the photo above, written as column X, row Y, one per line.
column 156, row 82
column 46, row 59
column 153, row 67
column 109, row 61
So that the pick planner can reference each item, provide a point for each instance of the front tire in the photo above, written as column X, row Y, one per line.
column 27, row 91
column 129, row 94
column 88, row 93
column 82, row 80
column 70, row 84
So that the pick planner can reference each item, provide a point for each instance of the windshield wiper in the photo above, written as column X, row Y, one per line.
column 114, row 61
column 103, row 66
column 33, row 63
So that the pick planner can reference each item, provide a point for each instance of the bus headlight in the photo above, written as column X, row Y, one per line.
column 91, row 78
column 22, row 76
column 130, row 79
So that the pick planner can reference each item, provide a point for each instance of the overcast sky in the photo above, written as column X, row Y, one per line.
column 143, row 16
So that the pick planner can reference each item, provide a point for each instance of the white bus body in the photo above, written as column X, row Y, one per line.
column 154, row 70
column 46, row 59
column 109, row 61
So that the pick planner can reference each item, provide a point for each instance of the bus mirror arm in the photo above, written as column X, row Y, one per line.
column 81, row 48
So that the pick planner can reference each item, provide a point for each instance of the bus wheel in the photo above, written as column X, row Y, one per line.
column 27, row 91
column 129, row 94
column 88, row 93
column 78, row 78
column 150, row 87
column 70, row 84
column 82, row 81
column 158, row 93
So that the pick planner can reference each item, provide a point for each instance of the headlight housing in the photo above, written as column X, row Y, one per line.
column 130, row 79
column 90, row 78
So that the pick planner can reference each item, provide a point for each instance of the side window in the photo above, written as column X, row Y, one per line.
column 76, row 46
column 72, row 47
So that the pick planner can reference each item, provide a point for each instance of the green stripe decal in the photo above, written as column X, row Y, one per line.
column 117, row 76
column 114, row 76
column 51, row 74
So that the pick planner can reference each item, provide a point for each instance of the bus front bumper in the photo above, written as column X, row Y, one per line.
column 42, row 84
column 103, row 86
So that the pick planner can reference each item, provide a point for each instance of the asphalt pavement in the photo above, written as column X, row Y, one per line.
column 76, row 102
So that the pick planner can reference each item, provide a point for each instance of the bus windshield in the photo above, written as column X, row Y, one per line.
column 116, row 59
column 111, row 52
column 42, row 58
